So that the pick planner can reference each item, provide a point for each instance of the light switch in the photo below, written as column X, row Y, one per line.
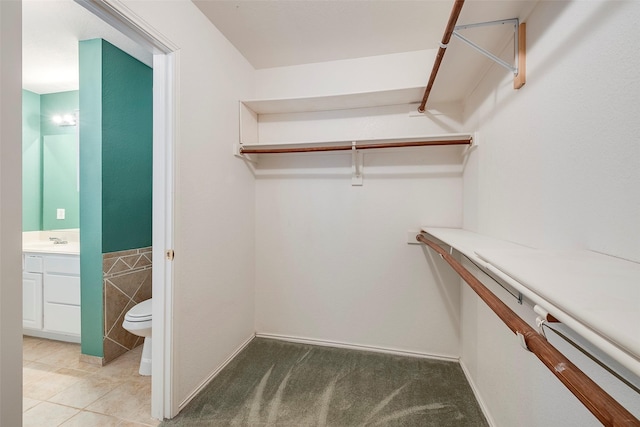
column 60, row 213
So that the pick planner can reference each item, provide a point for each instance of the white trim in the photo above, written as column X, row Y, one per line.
column 164, row 136
column 119, row 16
column 211, row 376
column 476, row 393
column 350, row 346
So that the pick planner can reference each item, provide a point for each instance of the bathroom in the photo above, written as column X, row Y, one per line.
column 79, row 281
column 51, row 215
column 51, row 225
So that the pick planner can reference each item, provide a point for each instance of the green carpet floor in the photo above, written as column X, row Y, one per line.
column 275, row 383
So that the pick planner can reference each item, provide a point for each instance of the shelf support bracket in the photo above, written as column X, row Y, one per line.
column 522, row 340
column 519, row 47
column 237, row 151
column 356, row 165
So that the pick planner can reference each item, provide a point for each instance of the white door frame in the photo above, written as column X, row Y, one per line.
column 166, row 58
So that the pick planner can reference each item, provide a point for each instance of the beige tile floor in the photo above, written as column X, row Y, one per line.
column 59, row 390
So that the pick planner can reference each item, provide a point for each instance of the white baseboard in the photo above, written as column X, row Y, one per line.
column 51, row 335
column 476, row 393
column 338, row 344
column 211, row 376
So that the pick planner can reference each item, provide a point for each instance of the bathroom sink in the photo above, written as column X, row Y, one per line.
column 51, row 247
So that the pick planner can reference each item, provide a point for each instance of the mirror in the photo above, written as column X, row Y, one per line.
column 50, row 161
column 60, row 182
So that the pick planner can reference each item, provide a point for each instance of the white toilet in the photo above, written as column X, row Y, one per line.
column 138, row 322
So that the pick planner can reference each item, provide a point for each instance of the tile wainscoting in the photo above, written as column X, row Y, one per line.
column 126, row 282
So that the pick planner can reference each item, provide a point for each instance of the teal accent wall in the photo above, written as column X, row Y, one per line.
column 31, row 163
column 90, row 58
column 127, row 149
column 116, row 128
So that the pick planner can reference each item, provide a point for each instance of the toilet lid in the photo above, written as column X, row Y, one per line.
column 140, row 312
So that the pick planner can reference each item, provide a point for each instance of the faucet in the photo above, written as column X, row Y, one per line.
column 57, row 241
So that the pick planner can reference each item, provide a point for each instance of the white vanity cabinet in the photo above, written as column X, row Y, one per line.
column 51, row 296
column 61, row 296
column 32, row 291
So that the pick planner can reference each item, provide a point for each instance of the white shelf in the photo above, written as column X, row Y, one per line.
column 283, row 115
column 334, row 123
column 336, row 102
column 596, row 295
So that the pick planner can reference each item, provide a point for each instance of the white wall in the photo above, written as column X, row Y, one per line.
column 332, row 260
column 557, row 168
column 360, row 123
column 214, row 197
column 368, row 74
column 10, row 214
column 559, row 159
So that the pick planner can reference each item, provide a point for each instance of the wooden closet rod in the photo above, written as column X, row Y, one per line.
column 448, row 32
column 466, row 141
column 608, row 411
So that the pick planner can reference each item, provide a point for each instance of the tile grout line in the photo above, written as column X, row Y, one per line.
column 120, row 382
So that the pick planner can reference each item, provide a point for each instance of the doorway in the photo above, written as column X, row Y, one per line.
column 164, row 65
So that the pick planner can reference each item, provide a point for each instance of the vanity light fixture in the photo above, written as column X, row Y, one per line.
column 64, row 120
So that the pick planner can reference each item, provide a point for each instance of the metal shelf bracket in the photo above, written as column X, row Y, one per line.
column 356, row 165
column 519, row 47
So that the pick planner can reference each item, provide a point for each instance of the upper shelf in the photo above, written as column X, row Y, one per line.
column 276, row 124
column 596, row 295
column 347, row 123
column 336, row 102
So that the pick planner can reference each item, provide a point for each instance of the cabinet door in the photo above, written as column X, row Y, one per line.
column 32, row 300
column 62, row 318
column 62, row 289
column 62, row 294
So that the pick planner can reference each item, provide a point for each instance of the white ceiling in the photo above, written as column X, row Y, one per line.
column 51, row 30
column 272, row 33
column 286, row 32
column 275, row 33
